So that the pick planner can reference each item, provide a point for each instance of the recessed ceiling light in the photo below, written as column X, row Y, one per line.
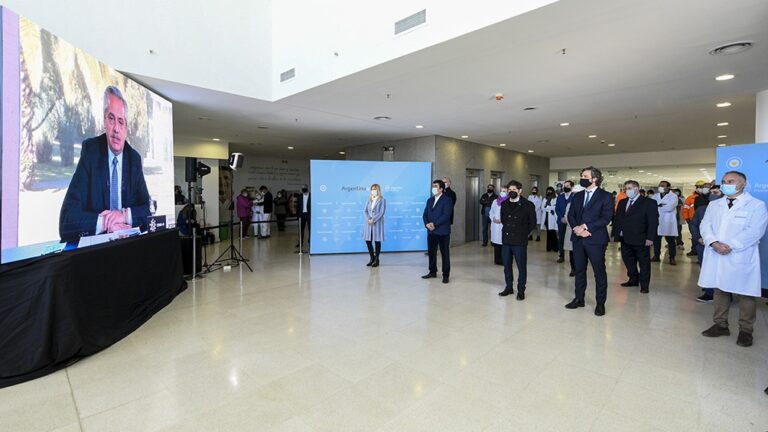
column 382, row 118
column 342, row 153
column 592, row 136
column 530, row 151
column 723, row 124
column 641, row 171
column 731, row 48
column 565, row 124
column 611, row 145
column 721, row 145
column 702, row 169
column 502, row 145
column 419, row 126
column 465, row 136
column 290, row 148
column 722, row 136
column 723, row 104
column 217, row 139
column 725, row 77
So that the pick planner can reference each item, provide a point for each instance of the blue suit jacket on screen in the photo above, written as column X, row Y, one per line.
column 597, row 215
column 88, row 192
column 439, row 214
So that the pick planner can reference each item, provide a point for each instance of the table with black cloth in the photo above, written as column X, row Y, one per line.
column 57, row 309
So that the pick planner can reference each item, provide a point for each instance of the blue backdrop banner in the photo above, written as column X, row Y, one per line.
column 340, row 190
column 752, row 160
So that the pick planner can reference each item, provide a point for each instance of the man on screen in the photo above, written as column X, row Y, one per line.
column 107, row 192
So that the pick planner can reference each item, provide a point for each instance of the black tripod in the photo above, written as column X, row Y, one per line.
column 234, row 254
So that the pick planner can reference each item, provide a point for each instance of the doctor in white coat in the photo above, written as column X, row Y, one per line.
column 496, row 225
column 667, row 202
column 731, row 230
column 537, row 202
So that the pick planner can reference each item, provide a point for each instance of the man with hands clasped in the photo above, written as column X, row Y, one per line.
column 437, row 220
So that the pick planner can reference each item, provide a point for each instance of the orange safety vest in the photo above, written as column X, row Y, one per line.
column 688, row 209
column 619, row 197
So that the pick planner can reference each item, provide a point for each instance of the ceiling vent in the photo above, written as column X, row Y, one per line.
column 410, row 22
column 731, row 48
column 289, row 74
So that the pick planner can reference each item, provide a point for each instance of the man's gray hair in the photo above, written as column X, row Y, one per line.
column 114, row 91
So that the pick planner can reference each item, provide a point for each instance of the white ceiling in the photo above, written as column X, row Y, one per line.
column 636, row 74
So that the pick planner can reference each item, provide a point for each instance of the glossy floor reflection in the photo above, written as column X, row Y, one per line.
column 324, row 343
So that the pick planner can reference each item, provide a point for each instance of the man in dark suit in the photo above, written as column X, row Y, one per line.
column 518, row 218
column 450, row 194
column 108, row 192
column 635, row 225
column 437, row 220
column 304, row 209
column 591, row 212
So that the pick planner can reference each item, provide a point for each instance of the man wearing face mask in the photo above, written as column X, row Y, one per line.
column 667, row 203
column 689, row 208
column 437, row 220
column 590, row 213
column 304, row 211
column 485, row 208
column 698, row 243
column 450, row 194
column 560, row 205
column 518, row 217
column 635, row 226
column 496, row 225
column 537, row 202
column 731, row 231
column 244, row 211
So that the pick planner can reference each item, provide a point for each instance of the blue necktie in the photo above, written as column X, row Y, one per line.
column 113, row 191
column 589, row 195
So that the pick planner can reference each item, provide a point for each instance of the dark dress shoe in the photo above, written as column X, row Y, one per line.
column 530, row 237
column 692, row 253
column 630, row 284
column 520, row 296
column 744, row 339
column 572, row 274
column 560, row 260
column 575, row 303
column 485, row 244
column 655, row 259
column 538, row 238
column 506, row 292
column 716, row 331
column 644, row 290
column 672, row 261
column 445, row 279
column 429, row 276
column 600, row 310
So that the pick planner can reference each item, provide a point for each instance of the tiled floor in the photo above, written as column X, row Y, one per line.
column 327, row 344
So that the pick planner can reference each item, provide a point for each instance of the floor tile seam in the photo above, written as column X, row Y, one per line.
column 74, row 401
column 122, row 404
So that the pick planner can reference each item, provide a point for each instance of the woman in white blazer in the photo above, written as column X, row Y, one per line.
column 549, row 220
column 496, row 225
column 667, row 202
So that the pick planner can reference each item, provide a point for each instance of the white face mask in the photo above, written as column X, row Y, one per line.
column 374, row 193
column 662, row 189
column 434, row 191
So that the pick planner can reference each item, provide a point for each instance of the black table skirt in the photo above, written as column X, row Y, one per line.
column 54, row 310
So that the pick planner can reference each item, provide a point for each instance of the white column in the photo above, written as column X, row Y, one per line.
column 761, row 117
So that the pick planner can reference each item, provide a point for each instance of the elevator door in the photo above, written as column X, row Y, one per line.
column 472, row 209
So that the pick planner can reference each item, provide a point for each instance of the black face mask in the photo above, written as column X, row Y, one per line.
column 490, row 191
column 585, row 183
column 304, row 190
column 567, row 190
column 513, row 195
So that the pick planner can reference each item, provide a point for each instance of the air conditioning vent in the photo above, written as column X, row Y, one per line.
column 289, row 74
column 410, row 22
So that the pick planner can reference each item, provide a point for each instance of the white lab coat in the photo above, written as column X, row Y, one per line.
column 551, row 222
column 495, row 213
column 537, row 201
column 567, row 243
column 741, row 228
column 667, row 214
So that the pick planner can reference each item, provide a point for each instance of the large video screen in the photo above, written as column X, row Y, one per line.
column 339, row 191
column 87, row 153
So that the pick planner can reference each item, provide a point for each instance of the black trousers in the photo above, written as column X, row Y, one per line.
column 570, row 260
column 443, row 242
column 281, row 222
column 596, row 256
column 497, row 259
column 552, row 245
column 671, row 246
column 561, row 238
column 486, row 223
column 305, row 222
column 519, row 254
column 632, row 255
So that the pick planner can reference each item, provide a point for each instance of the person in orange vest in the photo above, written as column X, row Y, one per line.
column 689, row 210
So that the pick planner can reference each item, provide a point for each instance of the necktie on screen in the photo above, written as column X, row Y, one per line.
column 730, row 202
column 113, row 191
column 589, row 196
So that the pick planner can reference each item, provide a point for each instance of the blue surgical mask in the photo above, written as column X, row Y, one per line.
column 728, row 189
column 434, row 191
column 631, row 193
column 503, row 194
